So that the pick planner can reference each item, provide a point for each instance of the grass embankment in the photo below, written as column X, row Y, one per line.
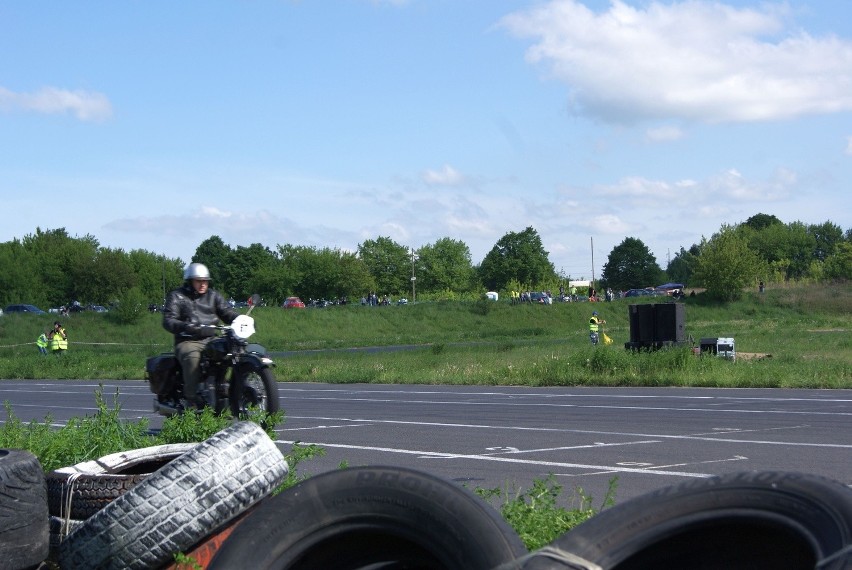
column 805, row 330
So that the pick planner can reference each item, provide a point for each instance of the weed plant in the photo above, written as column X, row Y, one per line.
column 104, row 432
column 536, row 515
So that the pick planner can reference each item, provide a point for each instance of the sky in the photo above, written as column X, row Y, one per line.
column 156, row 125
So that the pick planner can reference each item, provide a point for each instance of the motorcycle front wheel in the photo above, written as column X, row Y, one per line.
column 254, row 388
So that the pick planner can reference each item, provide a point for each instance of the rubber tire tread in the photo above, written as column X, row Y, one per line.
column 24, row 539
column 96, row 483
column 58, row 529
column 370, row 517
column 767, row 519
column 180, row 504
column 270, row 385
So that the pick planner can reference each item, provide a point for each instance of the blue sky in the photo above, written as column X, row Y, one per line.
column 154, row 125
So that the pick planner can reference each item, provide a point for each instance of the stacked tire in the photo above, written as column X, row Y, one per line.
column 175, row 507
column 77, row 492
column 371, row 517
column 23, row 510
column 738, row 521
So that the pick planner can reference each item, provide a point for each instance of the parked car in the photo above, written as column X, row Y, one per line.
column 20, row 308
column 639, row 293
column 293, row 303
column 540, row 297
column 672, row 289
column 99, row 309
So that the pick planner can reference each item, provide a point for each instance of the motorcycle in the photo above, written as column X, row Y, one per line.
column 236, row 374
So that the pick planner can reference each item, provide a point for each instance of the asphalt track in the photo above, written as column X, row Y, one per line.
column 509, row 437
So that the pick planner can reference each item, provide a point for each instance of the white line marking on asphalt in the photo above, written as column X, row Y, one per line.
column 734, row 458
column 592, row 446
column 564, row 430
column 586, row 406
column 501, row 459
column 544, row 395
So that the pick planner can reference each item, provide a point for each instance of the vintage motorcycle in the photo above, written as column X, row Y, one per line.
column 235, row 374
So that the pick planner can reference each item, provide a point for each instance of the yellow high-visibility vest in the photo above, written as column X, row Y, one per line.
column 593, row 324
column 58, row 340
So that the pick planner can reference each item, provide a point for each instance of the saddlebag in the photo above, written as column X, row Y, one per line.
column 160, row 371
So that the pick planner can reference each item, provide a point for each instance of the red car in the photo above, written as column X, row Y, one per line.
column 293, row 303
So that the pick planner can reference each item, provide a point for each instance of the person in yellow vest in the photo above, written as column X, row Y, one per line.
column 42, row 342
column 58, row 339
column 594, row 327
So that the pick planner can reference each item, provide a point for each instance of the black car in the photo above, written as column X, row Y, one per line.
column 23, row 309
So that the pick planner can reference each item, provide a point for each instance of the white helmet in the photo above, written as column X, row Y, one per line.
column 196, row 271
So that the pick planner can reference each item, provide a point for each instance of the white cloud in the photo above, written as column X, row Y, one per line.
column 693, row 60
column 639, row 187
column 447, row 176
column 732, row 184
column 85, row 105
column 664, row 134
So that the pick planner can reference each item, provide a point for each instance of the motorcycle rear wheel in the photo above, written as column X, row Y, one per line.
column 254, row 388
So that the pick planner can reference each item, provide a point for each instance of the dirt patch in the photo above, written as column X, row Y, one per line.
column 752, row 355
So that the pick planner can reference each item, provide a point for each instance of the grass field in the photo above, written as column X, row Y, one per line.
column 800, row 335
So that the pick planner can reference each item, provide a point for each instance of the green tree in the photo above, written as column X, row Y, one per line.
column 21, row 278
column 156, row 274
column 727, row 265
column 331, row 274
column 762, row 221
column 631, row 265
column 389, row 265
column 827, row 237
column 240, row 266
column 519, row 256
column 59, row 258
column 103, row 278
column 216, row 255
column 444, row 266
column 680, row 268
column 839, row 265
column 787, row 248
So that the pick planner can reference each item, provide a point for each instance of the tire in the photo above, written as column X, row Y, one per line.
column 180, row 504
column 24, row 539
column 736, row 521
column 254, row 387
column 83, row 489
column 58, row 529
column 371, row 517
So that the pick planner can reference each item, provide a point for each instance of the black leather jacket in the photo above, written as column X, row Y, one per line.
column 185, row 308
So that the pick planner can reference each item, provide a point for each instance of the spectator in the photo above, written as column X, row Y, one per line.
column 42, row 342
column 594, row 327
column 58, row 339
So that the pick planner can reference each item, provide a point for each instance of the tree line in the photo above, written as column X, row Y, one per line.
column 49, row 268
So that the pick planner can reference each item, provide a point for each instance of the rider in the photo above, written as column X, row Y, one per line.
column 187, row 308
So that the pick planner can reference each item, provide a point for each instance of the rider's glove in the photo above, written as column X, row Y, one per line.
column 207, row 331
column 192, row 330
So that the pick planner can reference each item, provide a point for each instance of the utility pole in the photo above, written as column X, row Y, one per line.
column 593, row 260
column 413, row 278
